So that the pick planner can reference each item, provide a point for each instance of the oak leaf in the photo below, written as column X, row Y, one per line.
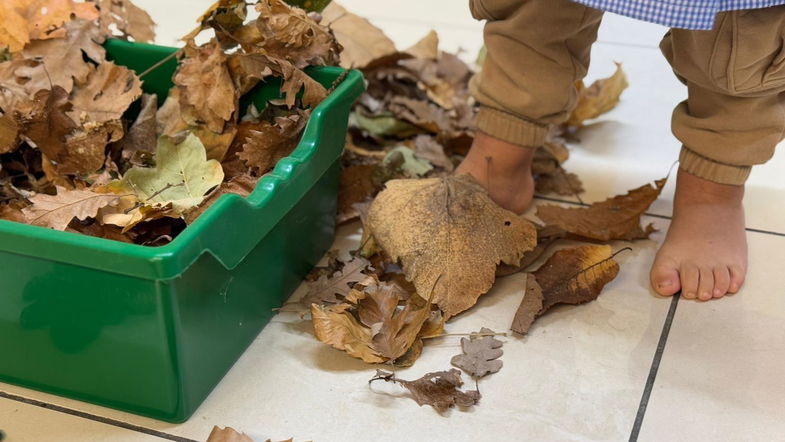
column 569, row 276
column 106, row 94
column 333, row 288
column 9, row 133
column 480, row 354
column 227, row 434
column 141, row 135
column 440, row 389
column 57, row 211
column 47, row 123
column 615, row 218
column 602, row 96
column 449, row 235
column 205, row 84
column 182, row 176
column 272, row 141
column 61, row 61
column 335, row 326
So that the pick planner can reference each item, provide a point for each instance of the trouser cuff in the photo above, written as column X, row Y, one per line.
column 702, row 167
column 510, row 128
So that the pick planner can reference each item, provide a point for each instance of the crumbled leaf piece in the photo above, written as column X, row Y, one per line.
column 362, row 42
column 57, row 211
column 129, row 19
column 602, row 96
column 449, row 235
column 615, row 218
column 440, row 390
column 427, row 148
column 480, row 354
column 182, row 176
column 570, row 276
column 559, row 182
column 411, row 166
column 426, row 48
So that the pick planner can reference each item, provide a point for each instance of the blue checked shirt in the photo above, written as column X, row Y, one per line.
column 686, row 14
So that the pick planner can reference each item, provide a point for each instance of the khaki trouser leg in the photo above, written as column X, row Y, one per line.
column 536, row 51
column 735, row 75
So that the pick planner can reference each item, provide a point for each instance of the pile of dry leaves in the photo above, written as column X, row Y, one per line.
column 434, row 242
column 83, row 149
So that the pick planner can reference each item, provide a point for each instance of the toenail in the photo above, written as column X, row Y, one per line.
column 717, row 293
column 663, row 285
column 705, row 296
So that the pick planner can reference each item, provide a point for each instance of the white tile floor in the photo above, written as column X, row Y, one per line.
column 580, row 373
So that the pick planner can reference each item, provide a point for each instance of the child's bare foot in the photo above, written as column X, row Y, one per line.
column 504, row 169
column 705, row 251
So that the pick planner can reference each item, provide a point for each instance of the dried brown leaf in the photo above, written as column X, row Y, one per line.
column 9, row 133
column 426, row 48
column 129, row 19
column 480, row 354
column 272, row 141
column 570, row 276
column 427, row 148
column 559, row 182
column 362, row 42
column 438, row 389
column 327, row 289
column 227, row 434
column 602, row 96
column 106, row 94
column 449, row 236
column 334, row 326
column 241, row 185
column 615, row 218
column 57, row 211
column 141, row 136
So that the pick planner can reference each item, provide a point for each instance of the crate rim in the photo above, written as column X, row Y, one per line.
column 171, row 260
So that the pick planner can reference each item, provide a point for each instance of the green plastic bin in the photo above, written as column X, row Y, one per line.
column 151, row 330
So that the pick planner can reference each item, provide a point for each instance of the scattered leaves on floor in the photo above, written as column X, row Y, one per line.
column 570, row 276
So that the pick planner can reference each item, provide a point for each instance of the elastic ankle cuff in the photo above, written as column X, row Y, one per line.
column 714, row 171
column 510, row 128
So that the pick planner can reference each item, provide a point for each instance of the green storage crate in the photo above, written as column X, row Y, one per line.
column 153, row 330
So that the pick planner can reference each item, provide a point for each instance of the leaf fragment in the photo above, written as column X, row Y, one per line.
column 602, row 96
column 57, row 211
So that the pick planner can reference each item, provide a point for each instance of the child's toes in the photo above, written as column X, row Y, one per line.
column 706, row 284
column 737, row 275
column 721, row 281
column 665, row 279
column 690, row 277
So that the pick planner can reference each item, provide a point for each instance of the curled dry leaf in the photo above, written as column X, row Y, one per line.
column 570, row 276
column 602, row 96
column 546, row 237
column 448, row 230
column 24, row 20
column 559, row 182
column 227, row 434
column 480, row 354
column 333, row 288
column 615, row 218
column 362, row 42
column 57, row 211
column 141, row 136
column 440, row 390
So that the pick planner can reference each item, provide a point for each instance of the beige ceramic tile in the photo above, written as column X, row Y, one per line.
column 28, row 423
column 722, row 373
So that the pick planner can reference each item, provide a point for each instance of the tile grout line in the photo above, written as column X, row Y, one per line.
column 655, row 366
column 93, row 417
column 652, row 215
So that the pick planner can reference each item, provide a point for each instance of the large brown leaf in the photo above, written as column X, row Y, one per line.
column 47, row 123
column 362, row 42
column 440, row 390
column 615, row 218
column 570, row 276
column 23, row 20
column 449, row 236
